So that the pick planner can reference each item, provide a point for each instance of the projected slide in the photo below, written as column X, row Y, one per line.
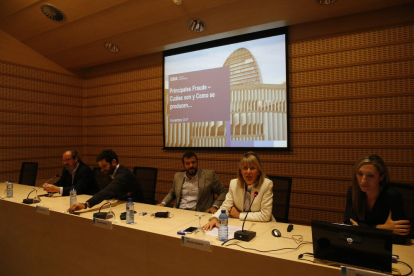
column 200, row 96
column 232, row 95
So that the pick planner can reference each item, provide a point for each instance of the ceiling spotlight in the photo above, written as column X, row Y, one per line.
column 177, row 2
column 196, row 25
column 111, row 47
column 326, row 2
column 52, row 12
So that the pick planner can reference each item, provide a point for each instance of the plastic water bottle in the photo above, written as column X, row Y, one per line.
column 223, row 232
column 9, row 189
column 73, row 198
column 130, row 211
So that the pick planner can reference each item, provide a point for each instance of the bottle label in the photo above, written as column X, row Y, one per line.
column 72, row 199
column 223, row 222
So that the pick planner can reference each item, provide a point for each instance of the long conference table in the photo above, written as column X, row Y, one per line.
column 34, row 243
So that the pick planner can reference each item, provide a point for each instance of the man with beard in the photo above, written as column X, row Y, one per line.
column 75, row 173
column 123, row 182
column 195, row 188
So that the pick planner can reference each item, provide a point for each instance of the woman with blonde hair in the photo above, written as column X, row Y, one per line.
column 371, row 202
column 250, row 179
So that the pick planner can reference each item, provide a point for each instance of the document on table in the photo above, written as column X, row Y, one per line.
column 232, row 229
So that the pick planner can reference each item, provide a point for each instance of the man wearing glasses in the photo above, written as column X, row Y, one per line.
column 75, row 173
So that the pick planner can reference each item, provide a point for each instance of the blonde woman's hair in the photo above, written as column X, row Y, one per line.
column 251, row 159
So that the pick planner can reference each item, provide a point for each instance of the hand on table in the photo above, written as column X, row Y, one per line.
column 398, row 227
column 161, row 204
column 50, row 188
column 75, row 207
column 210, row 225
column 354, row 223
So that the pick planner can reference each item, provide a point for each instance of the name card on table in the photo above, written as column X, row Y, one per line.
column 42, row 210
column 348, row 271
column 102, row 223
column 196, row 243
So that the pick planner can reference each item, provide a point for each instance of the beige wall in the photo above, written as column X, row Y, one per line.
column 351, row 94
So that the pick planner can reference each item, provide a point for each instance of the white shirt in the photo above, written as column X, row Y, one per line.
column 113, row 175
column 189, row 193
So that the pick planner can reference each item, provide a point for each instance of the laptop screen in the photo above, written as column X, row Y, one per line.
column 357, row 246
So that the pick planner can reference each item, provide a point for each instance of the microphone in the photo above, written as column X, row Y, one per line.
column 52, row 178
column 110, row 214
column 31, row 200
column 245, row 235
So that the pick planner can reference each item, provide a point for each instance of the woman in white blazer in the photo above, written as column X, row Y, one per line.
column 250, row 179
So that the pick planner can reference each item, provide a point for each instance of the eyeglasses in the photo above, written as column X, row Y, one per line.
column 66, row 160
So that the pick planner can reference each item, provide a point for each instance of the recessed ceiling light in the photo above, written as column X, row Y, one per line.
column 177, row 2
column 196, row 25
column 326, row 2
column 111, row 47
column 52, row 12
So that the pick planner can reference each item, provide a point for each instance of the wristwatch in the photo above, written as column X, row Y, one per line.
column 86, row 205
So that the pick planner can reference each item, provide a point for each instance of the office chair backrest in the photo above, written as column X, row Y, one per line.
column 101, row 179
column 407, row 193
column 147, row 177
column 28, row 173
column 281, row 197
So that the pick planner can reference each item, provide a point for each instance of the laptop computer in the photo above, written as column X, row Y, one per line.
column 352, row 245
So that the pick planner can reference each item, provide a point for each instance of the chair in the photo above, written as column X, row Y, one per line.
column 101, row 179
column 28, row 173
column 281, row 197
column 147, row 177
column 407, row 193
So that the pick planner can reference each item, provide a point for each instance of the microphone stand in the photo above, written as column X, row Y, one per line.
column 28, row 200
column 110, row 214
column 245, row 235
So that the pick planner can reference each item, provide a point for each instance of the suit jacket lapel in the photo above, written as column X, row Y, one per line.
column 178, row 189
column 201, row 182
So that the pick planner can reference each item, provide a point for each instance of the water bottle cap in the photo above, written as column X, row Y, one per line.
column 223, row 211
column 129, row 199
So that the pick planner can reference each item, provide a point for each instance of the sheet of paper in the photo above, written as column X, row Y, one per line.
column 232, row 229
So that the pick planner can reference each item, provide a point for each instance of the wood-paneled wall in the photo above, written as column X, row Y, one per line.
column 40, row 117
column 351, row 94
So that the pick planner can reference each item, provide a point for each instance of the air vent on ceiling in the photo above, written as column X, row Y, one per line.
column 52, row 12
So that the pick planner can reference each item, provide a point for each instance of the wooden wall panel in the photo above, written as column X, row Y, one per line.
column 40, row 117
column 350, row 95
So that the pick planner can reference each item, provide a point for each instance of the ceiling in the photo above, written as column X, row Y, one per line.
column 141, row 27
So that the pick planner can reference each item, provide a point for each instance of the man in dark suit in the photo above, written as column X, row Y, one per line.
column 75, row 173
column 123, row 182
column 194, row 188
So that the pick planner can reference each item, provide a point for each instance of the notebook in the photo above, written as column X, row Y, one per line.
column 352, row 245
